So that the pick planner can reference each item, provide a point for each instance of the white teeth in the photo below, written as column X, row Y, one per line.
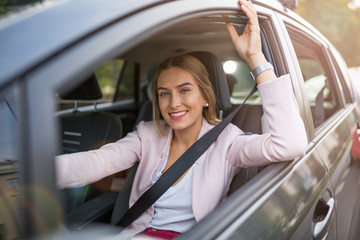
column 177, row 114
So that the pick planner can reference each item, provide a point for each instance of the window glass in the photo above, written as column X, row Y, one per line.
column 116, row 80
column 126, row 87
column 320, row 84
column 342, row 72
column 107, row 76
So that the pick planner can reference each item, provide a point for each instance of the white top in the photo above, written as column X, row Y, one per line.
column 173, row 210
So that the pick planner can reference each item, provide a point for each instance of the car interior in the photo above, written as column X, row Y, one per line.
column 97, row 122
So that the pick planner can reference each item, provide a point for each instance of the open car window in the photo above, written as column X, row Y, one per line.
column 133, row 75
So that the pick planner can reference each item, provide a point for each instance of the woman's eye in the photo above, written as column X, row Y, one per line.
column 184, row 90
column 162, row 94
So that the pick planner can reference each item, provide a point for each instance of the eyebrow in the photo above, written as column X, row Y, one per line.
column 179, row 86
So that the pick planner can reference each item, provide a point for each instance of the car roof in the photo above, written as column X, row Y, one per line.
column 29, row 37
column 33, row 35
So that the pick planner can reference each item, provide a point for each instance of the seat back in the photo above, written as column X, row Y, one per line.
column 248, row 119
column 217, row 78
column 83, row 131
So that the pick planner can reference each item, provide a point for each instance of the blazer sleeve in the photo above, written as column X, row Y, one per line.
column 78, row 169
column 286, row 138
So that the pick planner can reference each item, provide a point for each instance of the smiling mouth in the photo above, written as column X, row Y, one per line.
column 178, row 115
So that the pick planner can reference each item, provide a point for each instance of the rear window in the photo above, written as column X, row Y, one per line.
column 116, row 79
column 319, row 81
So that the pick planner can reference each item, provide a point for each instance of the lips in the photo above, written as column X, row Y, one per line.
column 178, row 115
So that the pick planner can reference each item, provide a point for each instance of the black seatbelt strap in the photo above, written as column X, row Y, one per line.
column 176, row 170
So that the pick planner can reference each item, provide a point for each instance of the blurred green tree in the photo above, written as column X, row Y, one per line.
column 338, row 23
column 7, row 6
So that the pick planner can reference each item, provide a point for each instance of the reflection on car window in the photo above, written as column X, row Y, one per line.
column 8, row 130
column 320, row 86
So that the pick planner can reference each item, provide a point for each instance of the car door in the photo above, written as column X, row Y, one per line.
column 344, row 166
column 334, row 118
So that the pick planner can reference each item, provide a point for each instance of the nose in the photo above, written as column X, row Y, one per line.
column 175, row 101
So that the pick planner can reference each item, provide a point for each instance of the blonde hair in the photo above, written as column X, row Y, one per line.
column 198, row 71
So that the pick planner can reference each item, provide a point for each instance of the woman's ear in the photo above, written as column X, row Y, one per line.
column 205, row 103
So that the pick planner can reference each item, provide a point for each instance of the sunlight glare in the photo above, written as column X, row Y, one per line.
column 230, row 67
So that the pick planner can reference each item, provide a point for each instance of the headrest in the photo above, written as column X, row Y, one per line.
column 88, row 90
column 231, row 81
column 217, row 77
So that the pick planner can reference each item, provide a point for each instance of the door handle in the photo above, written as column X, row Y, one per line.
column 322, row 216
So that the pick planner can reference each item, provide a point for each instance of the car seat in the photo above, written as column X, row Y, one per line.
column 87, row 130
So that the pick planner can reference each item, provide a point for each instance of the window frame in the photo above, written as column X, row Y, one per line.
column 324, row 61
column 89, row 53
column 310, row 33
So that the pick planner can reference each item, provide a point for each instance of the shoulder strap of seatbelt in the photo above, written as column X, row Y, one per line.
column 181, row 165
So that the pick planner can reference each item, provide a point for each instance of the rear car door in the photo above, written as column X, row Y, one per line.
column 333, row 116
column 347, row 181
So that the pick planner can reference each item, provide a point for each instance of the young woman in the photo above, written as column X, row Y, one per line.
column 184, row 110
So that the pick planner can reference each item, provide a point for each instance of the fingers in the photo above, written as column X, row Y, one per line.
column 253, row 26
column 232, row 31
column 246, row 4
column 248, row 8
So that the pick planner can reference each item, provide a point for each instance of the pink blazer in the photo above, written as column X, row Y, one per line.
column 213, row 171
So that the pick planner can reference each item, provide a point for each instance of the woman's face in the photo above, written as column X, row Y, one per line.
column 180, row 100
